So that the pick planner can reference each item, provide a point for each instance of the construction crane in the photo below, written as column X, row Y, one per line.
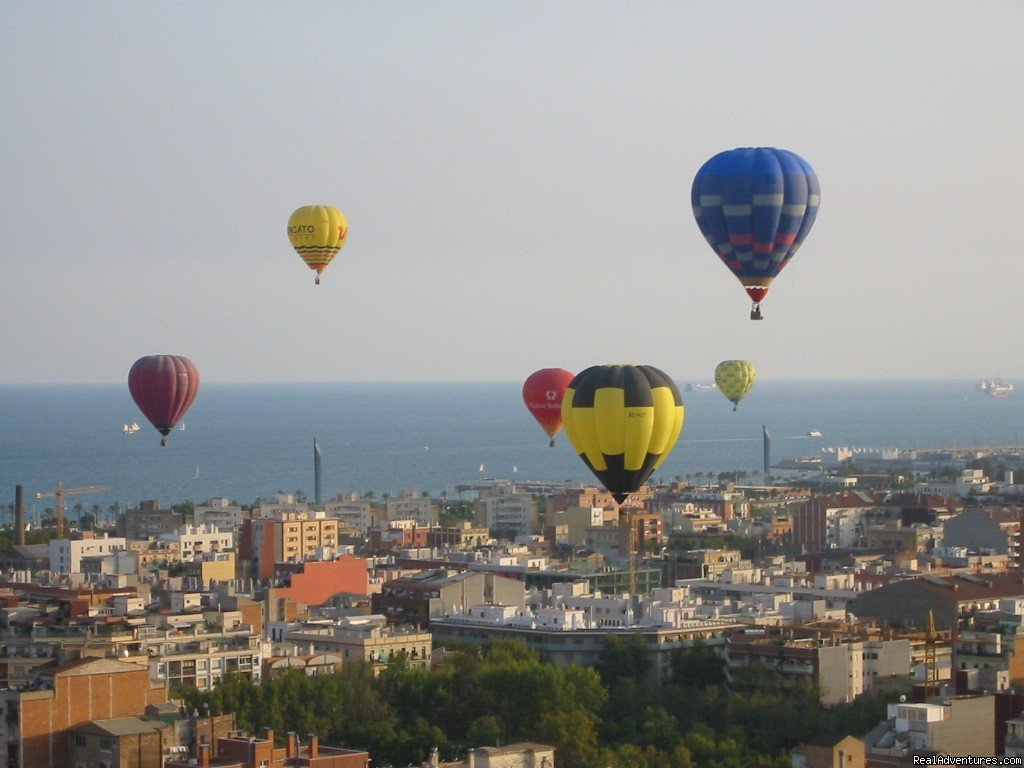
column 60, row 493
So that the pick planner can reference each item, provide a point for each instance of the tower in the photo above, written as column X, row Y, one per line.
column 767, row 452
column 19, row 515
column 318, row 488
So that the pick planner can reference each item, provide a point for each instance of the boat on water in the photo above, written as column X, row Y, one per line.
column 131, row 429
column 994, row 387
column 182, row 427
column 700, row 387
column 814, row 433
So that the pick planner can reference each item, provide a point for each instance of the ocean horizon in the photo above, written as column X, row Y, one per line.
column 249, row 440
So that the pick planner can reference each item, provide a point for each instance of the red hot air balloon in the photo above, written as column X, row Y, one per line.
column 542, row 393
column 163, row 386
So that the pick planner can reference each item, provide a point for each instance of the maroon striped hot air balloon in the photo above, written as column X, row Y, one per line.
column 163, row 386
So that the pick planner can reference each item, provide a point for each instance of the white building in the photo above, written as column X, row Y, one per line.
column 199, row 539
column 409, row 505
column 505, row 508
column 352, row 512
column 219, row 512
column 66, row 554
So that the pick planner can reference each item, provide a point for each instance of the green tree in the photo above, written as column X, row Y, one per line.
column 697, row 666
column 574, row 735
column 486, row 731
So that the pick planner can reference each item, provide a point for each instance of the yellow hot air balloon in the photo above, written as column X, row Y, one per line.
column 317, row 232
column 623, row 421
column 735, row 378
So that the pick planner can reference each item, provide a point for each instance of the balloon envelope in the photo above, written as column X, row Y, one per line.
column 623, row 421
column 317, row 233
column 735, row 378
column 755, row 207
column 164, row 387
column 543, row 391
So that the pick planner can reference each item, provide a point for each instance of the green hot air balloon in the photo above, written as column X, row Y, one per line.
column 735, row 378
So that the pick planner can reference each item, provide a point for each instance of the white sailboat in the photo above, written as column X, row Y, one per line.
column 197, row 473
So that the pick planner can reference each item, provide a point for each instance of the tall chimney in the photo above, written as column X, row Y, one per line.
column 314, row 745
column 318, row 487
column 19, row 515
column 204, row 755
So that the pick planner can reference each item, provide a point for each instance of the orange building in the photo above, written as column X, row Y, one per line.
column 318, row 582
column 291, row 537
column 35, row 722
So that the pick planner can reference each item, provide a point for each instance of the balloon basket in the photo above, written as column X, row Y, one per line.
column 755, row 312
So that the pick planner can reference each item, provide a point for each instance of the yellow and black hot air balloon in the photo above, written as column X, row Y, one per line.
column 317, row 232
column 623, row 421
column 735, row 378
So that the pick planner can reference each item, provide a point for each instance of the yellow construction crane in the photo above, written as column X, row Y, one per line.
column 60, row 493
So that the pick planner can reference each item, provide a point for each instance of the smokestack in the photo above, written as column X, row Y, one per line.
column 19, row 515
column 318, row 488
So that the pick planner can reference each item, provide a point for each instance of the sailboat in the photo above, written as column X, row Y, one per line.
column 197, row 473
column 182, row 427
column 482, row 468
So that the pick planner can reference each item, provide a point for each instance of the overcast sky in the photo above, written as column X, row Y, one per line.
column 516, row 178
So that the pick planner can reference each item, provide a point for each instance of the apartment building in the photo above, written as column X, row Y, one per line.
column 290, row 537
column 219, row 512
column 842, row 667
column 195, row 540
column 352, row 511
column 422, row 597
column 508, row 510
column 66, row 554
column 367, row 638
column 958, row 726
column 410, row 505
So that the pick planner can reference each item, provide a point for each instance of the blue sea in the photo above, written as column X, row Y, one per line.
column 246, row 441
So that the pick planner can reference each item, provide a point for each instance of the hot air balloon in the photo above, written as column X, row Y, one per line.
column 735, row 378
column 542, row 392
column 755, row 207
column 623, row 420
column 163, row 386
column 317, row 232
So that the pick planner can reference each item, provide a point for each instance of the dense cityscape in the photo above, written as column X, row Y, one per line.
column 314, row 449
column 869, row 607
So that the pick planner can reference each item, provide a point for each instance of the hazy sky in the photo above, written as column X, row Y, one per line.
column 516, row 178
